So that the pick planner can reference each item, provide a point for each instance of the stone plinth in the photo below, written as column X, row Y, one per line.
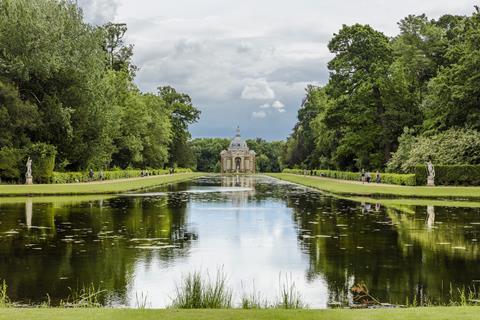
column 430, row 181
column 29, row 180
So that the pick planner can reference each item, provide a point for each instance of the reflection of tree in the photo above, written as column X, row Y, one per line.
column 71, row 245
column 395, row 261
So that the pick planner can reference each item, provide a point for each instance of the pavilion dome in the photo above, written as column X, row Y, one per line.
column 238, row 143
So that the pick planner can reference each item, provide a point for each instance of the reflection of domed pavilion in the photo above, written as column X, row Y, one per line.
column 238, row 158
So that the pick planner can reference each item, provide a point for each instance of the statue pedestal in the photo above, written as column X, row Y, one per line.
column 29, row 180
column 430, row 181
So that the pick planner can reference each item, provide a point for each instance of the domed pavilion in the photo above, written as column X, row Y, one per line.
column 238, row 158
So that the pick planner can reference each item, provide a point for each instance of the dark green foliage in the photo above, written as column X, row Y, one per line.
column 207, row 153
column 43, row 161
column 268, row 154
column 18, row 119
column 467, row 175
column 11, row 164
column 183, row 113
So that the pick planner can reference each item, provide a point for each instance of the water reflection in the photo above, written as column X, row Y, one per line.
column 256, row 228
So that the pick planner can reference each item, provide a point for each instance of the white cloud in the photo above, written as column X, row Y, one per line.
column 265, row 106
column 223, row 53
column 259, row 114
column 99, row 11
column 278, row 105
column 258, row 89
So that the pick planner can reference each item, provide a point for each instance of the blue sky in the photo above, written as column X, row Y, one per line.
column 246, row 62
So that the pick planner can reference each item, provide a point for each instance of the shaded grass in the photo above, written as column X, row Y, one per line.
column 349, row 188
column 104, row 187
column 437, row 313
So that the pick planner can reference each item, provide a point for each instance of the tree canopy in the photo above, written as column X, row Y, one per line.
column 69, row 85
column 387, row 94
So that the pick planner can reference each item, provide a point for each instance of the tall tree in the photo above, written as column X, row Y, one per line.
column 183, row 113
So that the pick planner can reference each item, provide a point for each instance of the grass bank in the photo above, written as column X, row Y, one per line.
column 100, row 187
column 437, row 313
column 356, row 188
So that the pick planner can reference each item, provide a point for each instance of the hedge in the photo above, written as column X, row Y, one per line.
column 71, row 177
column 389, row 178
column 467, row 175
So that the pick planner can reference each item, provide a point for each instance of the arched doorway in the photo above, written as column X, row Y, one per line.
column 238, row 164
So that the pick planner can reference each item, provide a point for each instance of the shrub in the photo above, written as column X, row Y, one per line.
column 390, row 178
column 450, row 175
column 43, row 161
column 71, row 177
column 451, row 147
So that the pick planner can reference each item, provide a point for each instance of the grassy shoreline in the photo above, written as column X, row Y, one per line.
column 342, row 187
column 103, row 187
column 437, row 313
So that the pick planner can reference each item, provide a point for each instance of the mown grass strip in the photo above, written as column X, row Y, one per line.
column 372, row 189
column 104, row 187
column 437, row 313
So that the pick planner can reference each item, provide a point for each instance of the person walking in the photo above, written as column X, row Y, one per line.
column 369, row 177
column 378, row 177
column 362, row 176
column 91, row 174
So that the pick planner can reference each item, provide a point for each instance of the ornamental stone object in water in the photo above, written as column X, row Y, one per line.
column 238, row 158
column 28, row 174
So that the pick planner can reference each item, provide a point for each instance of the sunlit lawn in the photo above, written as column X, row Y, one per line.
column 373, row 189
column 437, row 313
column 110, row 186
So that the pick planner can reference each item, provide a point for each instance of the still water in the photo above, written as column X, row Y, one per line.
column 258, row 230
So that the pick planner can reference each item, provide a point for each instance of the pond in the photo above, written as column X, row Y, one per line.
column 258, row 230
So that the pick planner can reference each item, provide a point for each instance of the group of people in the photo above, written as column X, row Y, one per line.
column 367, row 177
column 91, row 175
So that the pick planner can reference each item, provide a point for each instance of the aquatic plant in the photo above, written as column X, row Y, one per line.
column 85, row 297
column 141, row 301
column 253, row 300
column 289, row 296
column 197, row 292
column 4, row 299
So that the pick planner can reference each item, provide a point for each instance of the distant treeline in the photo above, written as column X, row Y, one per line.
column 393, row 103
column 68, row 100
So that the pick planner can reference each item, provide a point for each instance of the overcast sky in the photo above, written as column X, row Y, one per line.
column 246, row 62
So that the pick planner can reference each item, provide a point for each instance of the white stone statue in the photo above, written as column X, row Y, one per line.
column 28, row 174
column 29, row 168
column 431, row 173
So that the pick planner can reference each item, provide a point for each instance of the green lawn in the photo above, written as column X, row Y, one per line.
column 373, row 189
column 104, row 187
column 435, row 313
